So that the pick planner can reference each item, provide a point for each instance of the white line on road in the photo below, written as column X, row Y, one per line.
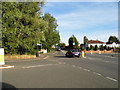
column 86, row 70
column 97, row 73
column 106, row 61
column 111, row 79
column 40, row 65
column 80, row 67
column 45, row 57
column 73, row 65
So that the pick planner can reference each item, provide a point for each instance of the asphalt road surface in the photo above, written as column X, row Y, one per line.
column 57, row 71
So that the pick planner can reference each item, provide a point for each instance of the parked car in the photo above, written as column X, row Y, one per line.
column 73, row 53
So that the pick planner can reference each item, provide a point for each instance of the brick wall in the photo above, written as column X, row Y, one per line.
column 98, row 51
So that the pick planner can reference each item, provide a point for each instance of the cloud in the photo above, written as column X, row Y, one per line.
column 94, row 20
column 89, row 18
column 82, row 0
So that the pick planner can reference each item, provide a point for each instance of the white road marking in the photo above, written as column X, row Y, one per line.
column 40, row 65
column 111, row 79
column 97, row 73
column 63, row 63
column 60, row 63
column 45, row 57
column 86, row 70
column 7, row 67
column 73, row 65
column 106, row 61
column 80, row 67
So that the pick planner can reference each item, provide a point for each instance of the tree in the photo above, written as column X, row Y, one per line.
column 113, row 39
column 61, row 44
column 73, row 42
column 52, row 36
column 22, row 26
column 85, row 40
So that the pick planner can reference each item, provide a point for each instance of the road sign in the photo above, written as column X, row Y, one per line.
column 2, row 62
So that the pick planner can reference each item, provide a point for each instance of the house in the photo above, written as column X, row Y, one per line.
column 112, row 44
column 98, row 43
column 95, row 42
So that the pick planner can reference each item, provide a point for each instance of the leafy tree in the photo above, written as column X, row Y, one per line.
column 61, row 44
column 72, row 40
column 51, row 34
column 85, row 39
column 22, row 26
column 113, row 39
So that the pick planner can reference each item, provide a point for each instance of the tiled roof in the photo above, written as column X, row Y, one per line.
column 94, row 41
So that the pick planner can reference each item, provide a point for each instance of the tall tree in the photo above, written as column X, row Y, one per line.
column 73, row 42
column 22, row 26
column 85, row 39
column 113, row 39
column 52, row 36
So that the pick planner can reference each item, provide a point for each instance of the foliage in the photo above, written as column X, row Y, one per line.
column 23, row 27
column 113, row 39
column 88, row 48
column 91, row 47
column 108, row 48
column 101, row 47
column 95, row 48
column 51, row 34
column 85, row 39
column 72, row 40
column 61, row 44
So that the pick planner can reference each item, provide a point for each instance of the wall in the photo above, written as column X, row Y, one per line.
column 98, row 51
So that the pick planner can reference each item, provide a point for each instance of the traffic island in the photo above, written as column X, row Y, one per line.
column 6, row 66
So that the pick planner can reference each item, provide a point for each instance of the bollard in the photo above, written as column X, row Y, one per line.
column 99, row 52
column 2, row 62
column 83, row 54
column 91, row 52
column 37, row 54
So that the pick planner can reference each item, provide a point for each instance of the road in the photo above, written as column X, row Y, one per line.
column 57, row 71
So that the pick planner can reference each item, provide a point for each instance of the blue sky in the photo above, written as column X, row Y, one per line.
column 96, row 20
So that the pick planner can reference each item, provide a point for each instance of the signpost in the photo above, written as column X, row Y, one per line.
column 2, row 62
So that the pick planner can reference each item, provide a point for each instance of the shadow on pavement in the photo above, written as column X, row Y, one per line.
column 62, row 57
column 6, row 86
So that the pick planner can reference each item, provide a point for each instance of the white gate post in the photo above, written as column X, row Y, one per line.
column 2, row 62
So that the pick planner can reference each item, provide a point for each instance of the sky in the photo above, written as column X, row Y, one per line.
column 95, row 20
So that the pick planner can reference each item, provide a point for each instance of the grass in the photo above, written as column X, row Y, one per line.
column 17, row 56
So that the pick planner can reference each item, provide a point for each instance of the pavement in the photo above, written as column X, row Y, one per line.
column 6, row 66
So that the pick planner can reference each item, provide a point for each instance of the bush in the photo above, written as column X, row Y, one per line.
column 95, row 48
column 88, row 49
